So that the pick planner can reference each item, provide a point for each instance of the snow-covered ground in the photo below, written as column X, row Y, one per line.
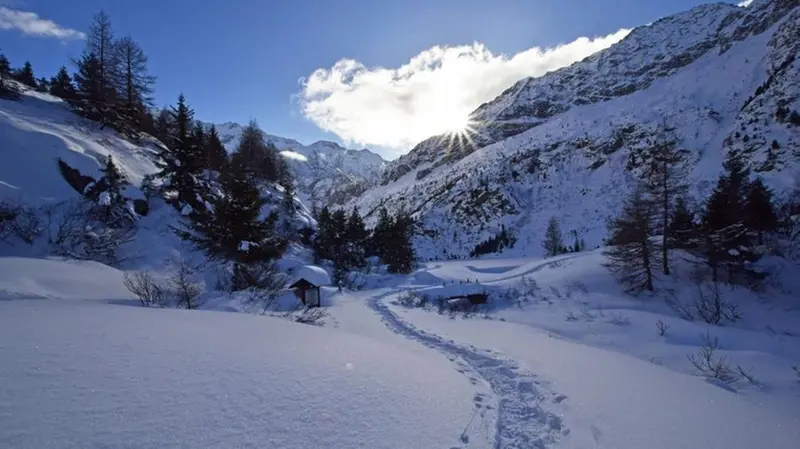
column 85, row 373
column 80, row 366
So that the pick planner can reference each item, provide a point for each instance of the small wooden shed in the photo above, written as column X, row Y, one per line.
column 306, row 284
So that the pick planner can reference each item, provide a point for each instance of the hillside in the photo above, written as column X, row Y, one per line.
column 326, row 172
column 718, row 78
column 38, row 130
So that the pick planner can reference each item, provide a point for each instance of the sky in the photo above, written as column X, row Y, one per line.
column 378, row 74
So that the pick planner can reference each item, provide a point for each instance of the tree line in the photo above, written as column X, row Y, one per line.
column 724, row 233
column 345, row 241
column 110, row 83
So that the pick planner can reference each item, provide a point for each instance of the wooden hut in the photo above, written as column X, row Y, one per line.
column 306, row 284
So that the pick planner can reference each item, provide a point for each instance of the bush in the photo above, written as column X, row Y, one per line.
column 706, row 363
column 182, row 285
column 144, row 287
column 74, row 231
column 265, row 285
column 19, row 221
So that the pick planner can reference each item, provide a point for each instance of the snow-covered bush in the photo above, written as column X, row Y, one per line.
column 73, row 230
column 265, row 285
column 19, row 221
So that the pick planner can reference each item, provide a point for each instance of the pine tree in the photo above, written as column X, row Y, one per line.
column 7, row 90
column 25, row 75
column 381, row 238
column 163, row 126
column 88, row 96
column 759, row 213
column 323, row 238
column 216, row 155
column 723, row 221
column 681, row 225
column 553, row 244
column 61, row 85
column 632, row 256
column 97, row 84
column 339, row 246
column 42, row 85
column 5, row 66
column 179, row 162
column 108, row 193
column 234, row 230
column 399, row 255
column 135, row 85
column 665, row 182
column 357, row 237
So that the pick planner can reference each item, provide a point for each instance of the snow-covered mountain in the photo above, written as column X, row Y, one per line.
column 326, row 172
column 718, row 78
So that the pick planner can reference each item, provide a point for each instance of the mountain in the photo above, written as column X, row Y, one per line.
column 326, row 172
column 717, row 78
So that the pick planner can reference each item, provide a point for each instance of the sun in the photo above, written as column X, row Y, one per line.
column 456, row 123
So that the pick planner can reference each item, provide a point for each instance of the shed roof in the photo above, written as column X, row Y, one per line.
column 315, row 275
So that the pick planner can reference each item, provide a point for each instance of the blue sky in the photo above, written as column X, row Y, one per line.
column 243, row 58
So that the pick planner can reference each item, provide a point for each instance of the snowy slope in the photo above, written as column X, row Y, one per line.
column 563, row 145
column 327, row 170
column 39, row 129
column 83, row 373
column 607, row 374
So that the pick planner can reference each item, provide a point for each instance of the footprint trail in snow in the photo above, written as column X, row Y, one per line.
column 521, row 421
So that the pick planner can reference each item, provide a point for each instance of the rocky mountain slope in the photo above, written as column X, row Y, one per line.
column 717, row 78
column 326, row 172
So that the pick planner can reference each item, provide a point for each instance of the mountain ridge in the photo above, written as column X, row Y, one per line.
column 716, row 76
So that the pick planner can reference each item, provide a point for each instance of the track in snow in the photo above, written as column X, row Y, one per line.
column 521, row 421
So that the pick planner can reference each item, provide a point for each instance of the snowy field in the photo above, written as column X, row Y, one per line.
column 81, row 367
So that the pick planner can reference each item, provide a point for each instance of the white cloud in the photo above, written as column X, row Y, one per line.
column 31, row 24
column 431, row 94
column 745, row 3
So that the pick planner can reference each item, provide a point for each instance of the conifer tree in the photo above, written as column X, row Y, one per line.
column 339, row 245
column 234, row 229
column 399, row 254
column 135, row 85
column 108, row 193
column 632, row 254
column 163, row 126
column 665, row 181
column 553, row 243
column 216, row 155
column 61, row 85
column 681, row 225
column 357, row 237
column 25, row 75
column 381, row 238
column 723, row 221
column 88, row 89
column 179, row 162
column 7, row 90
column 759, row 212
column 43, row 85
column 5, row 66
column 323, row 239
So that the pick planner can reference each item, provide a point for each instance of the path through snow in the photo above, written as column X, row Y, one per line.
column 521, row 421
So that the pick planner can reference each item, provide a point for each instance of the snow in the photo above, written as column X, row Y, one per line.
column 96, row 375
column 104, row 199
column 314, row 274
column 78, row 368
column 294, row 155
column 38, row 129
